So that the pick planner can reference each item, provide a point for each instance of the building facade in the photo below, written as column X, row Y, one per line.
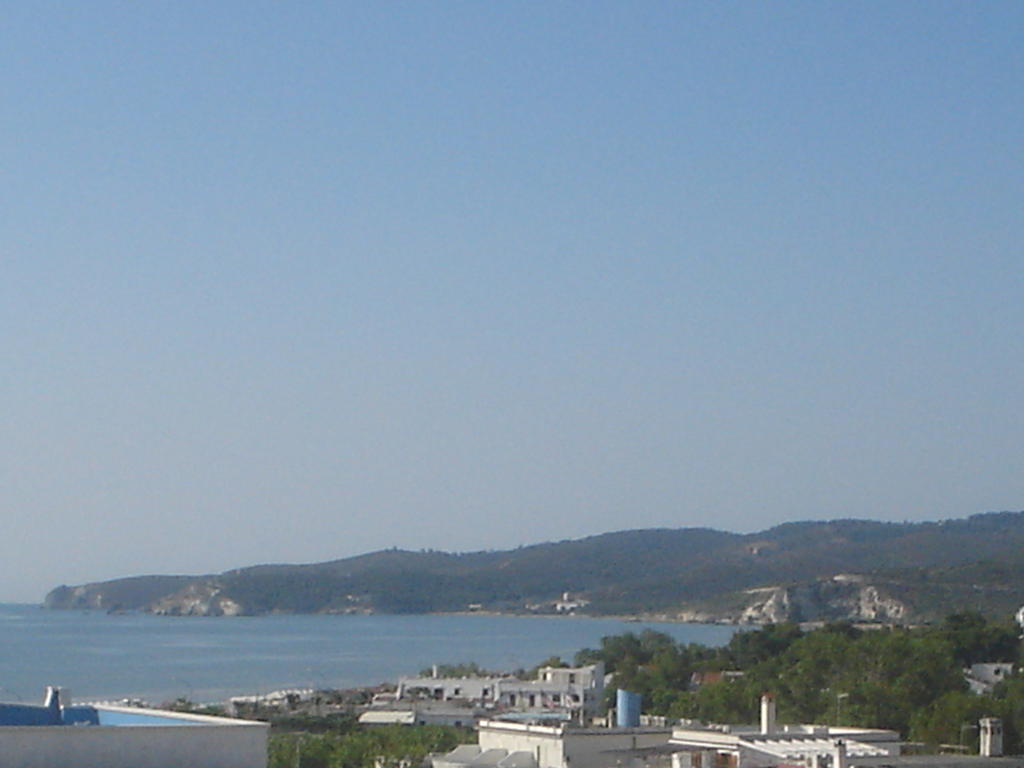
column 573, row 690
column 504, row 744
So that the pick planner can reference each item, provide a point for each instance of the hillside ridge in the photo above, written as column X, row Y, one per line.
column 806, row 570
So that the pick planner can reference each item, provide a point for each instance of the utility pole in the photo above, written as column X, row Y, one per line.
column 839, row 699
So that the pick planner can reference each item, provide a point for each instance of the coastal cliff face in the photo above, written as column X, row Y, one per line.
column 75, row 597
column 204, row 598
column 835, row 599
column 813, row 571
column 843, row 597
column 164, row 596
column 118, row 595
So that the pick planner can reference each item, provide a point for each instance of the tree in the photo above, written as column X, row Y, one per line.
column 975, row 640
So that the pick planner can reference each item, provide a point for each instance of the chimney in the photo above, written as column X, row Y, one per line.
column 433, row 671
column 839, row 754
column 991, row 729
column 53, row 705
column 768, row 714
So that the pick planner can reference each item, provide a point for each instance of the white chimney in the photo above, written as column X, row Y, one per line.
column 52, row 700
column 839, row 754
column 991, row 736
column 768, row 714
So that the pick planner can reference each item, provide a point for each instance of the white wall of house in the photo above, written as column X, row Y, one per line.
column 542, row 742
column 606, row 748
column 446, row 688
column 557, row 747
column 554, row 687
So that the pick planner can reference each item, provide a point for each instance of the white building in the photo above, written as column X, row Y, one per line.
column 568, row 689
column 422, row 713
column 57, row 735
column 476, row 689
column 982, row 678
column 570, row 604
column 771, row 744
column 505, row 744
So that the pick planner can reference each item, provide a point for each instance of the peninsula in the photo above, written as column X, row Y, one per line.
column 857, row 570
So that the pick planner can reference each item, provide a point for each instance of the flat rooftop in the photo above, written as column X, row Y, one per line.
column 549, row 727
column 942, row 761
column 21, row 715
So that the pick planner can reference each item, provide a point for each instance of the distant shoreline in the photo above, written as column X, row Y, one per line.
column 627, row 618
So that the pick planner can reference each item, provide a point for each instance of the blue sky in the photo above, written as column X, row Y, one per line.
column 288, row 282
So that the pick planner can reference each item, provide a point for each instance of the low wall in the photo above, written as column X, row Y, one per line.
column 176, row 746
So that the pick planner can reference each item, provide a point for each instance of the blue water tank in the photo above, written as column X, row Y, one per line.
column 627, row 709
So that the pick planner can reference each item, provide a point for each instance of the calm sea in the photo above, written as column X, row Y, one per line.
column 207, row 659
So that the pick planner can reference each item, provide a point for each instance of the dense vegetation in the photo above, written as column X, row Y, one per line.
column 393, row 746
column 931, row 568
column 910, row 680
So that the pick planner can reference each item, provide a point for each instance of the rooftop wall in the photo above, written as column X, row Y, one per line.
column 566, row 747
column 190, row 742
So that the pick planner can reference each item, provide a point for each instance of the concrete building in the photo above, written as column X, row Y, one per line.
column 570, row 604
column 982, row 678
column 482, row 690
column 423, row 713
column 508, row 744
column 570, row 689
column 58, row 735
column 771, row 744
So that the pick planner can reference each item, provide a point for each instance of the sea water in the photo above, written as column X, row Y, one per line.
column 159, row 658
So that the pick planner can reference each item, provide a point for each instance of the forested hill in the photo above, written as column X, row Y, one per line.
column 855, row 569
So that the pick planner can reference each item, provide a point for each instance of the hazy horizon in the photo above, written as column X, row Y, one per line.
column 292, row 283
